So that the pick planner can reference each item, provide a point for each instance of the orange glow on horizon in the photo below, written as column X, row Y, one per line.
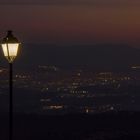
column 71, row 23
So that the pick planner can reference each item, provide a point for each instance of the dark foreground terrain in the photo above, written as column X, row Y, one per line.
column 108, row 126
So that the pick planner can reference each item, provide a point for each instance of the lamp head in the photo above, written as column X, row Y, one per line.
column 10, row 45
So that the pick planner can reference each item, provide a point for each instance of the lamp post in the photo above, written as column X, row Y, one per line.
column 10, row 46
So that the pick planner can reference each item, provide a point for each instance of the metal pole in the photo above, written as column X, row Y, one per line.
column 10, row 102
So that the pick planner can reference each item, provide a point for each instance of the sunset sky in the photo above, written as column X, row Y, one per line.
column 76, row 21
column 97, row 23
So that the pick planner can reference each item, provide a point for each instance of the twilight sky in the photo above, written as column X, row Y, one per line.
column 91, row 23
column 72, row 21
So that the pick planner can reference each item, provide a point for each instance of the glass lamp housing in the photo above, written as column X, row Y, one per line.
column 10, row 47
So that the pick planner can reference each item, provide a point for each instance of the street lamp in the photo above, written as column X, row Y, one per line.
column 10, row 46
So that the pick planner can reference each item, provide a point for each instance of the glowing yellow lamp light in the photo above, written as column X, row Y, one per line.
column 10, row 46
